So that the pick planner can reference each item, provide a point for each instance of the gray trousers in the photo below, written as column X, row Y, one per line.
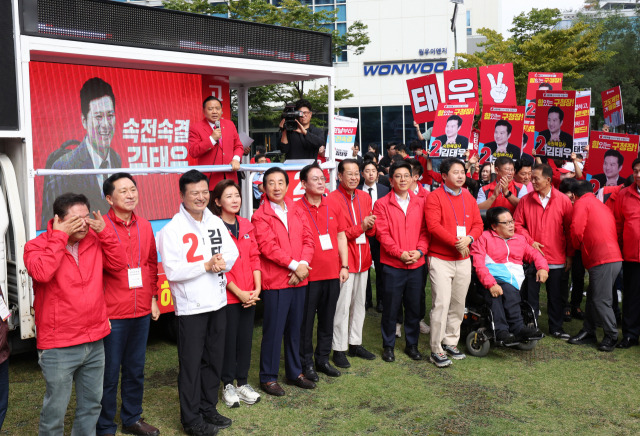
column 599, row 299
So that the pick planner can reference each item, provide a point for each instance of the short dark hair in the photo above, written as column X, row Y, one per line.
column 446, row 164
column 304, row 172
column 108, row 186
column 370, row 156
column 581, row 187
column 416, row 167
column 303, row 103
column 64, row 202
column 504, row 123
column 275, row 170
column 493, row 213
column 92, row 89
column 208, row 99
column 345, row 162
column 546, row 170
column 502, row 161
column 401, row 148
column 456, row 118
column 397, row 165
column 615, row 153
column 260, row 149
column 391, row 144
column 356, row 145
column 415, row 145
column 556, row 110
column 518, row 164
column 568, row 185
column 367, row 162
column 218, row 191
column 374, row 146
column 635, row 162
column 191, row 176
column 629, row 180
column 397, row 158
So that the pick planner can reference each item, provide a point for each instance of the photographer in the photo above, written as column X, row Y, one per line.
column 305, row 140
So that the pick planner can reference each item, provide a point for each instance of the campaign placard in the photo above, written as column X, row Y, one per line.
column 344, row 136
column 540, row 81
column 581, row 123
column 461, row 86
column 612, row 106
column 501, row 133
column 528, row 138
column 610, row 157
column 554, row 123
column 425, row 97
column 498, row 85
column 451, row 130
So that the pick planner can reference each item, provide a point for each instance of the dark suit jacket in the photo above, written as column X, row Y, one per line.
column 513, row 151
column 86, row 184
column 566, row 140
column 462, row 140
column 200, row 148
column 382, row 190
column 602, row 179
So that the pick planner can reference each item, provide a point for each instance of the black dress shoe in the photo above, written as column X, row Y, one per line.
column 327, row 369
column 311, row 373
column 627, row 342
column 340, row 359
column 360, row 351
column 583, row 337
column 560, row 334
column 272, row 388
column 379, row 307
column 529, row 332
column 368, row 305
column 412, row 352
column 388, row 354
column 505, row 337
column 576, row 313
column 202, row 429
column 303, row 383
column 217, row 420
column 141, row 428
column 608, row 344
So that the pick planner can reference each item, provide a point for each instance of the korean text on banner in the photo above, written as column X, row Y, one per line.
column 554, row 123
column 501, row 132
column 461, row 86
column 542, row 81
column 612, row 106
column 344, row 136
column 498, row 85
column 610, row 157
column 425, row 96
column 451, row 130
column 581, row 124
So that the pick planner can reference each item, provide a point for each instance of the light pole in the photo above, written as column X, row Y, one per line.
column 453, row 29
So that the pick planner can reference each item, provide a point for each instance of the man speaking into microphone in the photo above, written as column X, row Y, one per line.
column 215, row 141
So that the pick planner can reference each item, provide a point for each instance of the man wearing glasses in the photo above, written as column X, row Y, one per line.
column 305, row 141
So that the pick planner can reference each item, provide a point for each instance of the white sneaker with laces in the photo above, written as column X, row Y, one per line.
column 424, row 328
column 247, row 395
column 230, row 396
column 398, row 330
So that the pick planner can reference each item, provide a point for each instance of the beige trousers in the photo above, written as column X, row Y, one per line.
column 350, row 311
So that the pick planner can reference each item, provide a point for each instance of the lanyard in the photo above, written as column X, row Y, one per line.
column 118, row 236
column 464, row 211
column 304, row 201
column 348, row 207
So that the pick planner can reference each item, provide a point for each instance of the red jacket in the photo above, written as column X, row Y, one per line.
column 359, row 254
column 69, row 297
column 627, row 214
column 279, row 246
column 397, row 231
column 248, row 260
column 325, row 264
column 593, row 231
column 442, row 212
column 201, row 148
column 550, row 227
column 123, row 302
column 514, row 187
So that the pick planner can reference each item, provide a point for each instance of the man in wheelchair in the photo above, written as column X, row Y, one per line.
column 497, row 258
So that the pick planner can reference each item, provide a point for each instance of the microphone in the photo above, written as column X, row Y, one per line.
column 218, row 126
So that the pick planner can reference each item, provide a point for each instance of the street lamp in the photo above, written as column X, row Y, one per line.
column 453, row 29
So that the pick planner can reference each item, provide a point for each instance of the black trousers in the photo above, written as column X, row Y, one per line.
column 631, row 300
column 577, row 279
column 237, row 344
column 200, row 350
column 505, row 308
column 321, row 299
column 402, row 287
column 555, row 305
column 375, row 255
column 423, row 297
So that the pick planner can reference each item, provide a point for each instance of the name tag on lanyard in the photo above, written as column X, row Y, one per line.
column 461, row 231
column 362, row 239
column 325, row 242
column 135, row 277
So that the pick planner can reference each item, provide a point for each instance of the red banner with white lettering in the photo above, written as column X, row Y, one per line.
column 581, row 123
column 461, row 86
column 425, row 96
column 612, row 106
column 610, row 157
column 451, row 130
column 501, row 132
column 554, row 124
column 498, row 85
column 544, row 82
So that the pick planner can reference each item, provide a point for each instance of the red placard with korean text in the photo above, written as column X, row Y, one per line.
column 425, row 96
column 451, row 132
column 461, row 86
column 542, row 81
column 581, row 123
column 501, row 132
column 528, row 138
column 612, row 106
column 498, row 85
column 610, row 157
column 554, row 123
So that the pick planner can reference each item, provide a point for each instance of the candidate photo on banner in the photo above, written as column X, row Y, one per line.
column 581, row 123
column 501, row 132
column 610, row 157
column 451, row 130
column 543, row 82
column 554, row 123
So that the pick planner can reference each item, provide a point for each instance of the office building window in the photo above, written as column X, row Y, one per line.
column 370, row 126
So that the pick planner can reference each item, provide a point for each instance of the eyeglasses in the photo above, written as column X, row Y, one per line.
column 317, row 179
column 507, row 223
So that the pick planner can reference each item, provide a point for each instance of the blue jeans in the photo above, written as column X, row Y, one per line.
column 4, row 390
column 61, row 367
column 125, row 347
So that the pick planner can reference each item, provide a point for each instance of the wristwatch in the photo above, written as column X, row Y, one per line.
column 508, row 194
column 344, row 267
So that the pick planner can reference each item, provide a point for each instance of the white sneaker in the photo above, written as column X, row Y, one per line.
column 398, row 330
column 424, row 328
column 230, row 397
column 247, row 395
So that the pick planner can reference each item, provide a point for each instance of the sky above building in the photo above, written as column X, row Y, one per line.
column 512, row 8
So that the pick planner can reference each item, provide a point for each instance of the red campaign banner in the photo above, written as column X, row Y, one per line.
column 501, row 132
column 451, row 130
column 295, row 190
column 461, row 86
column 610, row 157
column 528, row 138
column 612, row 106
column 475, row 138
column 554, row 123
column 498, row 85
column 140, row 119
column 425, row 96
column 543, row 81
column 581, row 123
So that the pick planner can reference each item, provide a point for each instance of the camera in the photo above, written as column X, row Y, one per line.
column 290, row 116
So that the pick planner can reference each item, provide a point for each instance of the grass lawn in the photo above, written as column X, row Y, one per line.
column 555, row 389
